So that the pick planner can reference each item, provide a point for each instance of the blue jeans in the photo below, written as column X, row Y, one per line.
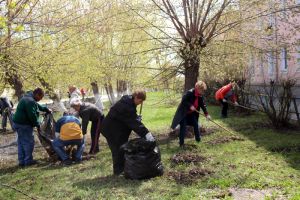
column 189, row 119
column 59, row 145
column 25, row 143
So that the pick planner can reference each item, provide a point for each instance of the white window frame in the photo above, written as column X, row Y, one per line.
column 283, row 59
column 284, row 5
column 298, row 56
column 271, row 63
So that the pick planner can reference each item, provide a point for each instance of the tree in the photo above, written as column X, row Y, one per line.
column 197, row 27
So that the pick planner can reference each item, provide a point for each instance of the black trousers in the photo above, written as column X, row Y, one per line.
column 117, row 156
column 224, row 108
column 95, row 135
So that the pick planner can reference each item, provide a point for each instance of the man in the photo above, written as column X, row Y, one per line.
column 188, row 111
column 118, row 124
column 25, row 118
column 224, row 94
column 6, row 107
column 70, row 133
column 89, row 112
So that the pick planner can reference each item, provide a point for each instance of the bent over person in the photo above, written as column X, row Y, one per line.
column 188, row 111
column 70, row 133
column 6, row 107
column 118, row 124
column 224, row 94
column 89, row 112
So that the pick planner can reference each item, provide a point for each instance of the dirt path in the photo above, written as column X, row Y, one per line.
column 9, row 148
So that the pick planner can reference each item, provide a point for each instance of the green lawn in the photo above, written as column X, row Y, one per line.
column 262, row 159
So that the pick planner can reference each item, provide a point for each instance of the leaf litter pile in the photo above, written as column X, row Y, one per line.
column 192, row 175
column 222, row 140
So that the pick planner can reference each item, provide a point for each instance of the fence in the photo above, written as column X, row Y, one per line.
column 256, row 96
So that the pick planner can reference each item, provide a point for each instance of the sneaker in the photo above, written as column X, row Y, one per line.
column 21, row 165
column 77, row 161
column 67, row 162
column 119, row 174
column 33, row 162
column 94, row 152
column 198, row 140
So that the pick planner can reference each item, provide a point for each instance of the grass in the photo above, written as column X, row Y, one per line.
column 266, row 159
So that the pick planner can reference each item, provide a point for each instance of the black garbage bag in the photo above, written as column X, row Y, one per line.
column 47, row 134
column 142, row 159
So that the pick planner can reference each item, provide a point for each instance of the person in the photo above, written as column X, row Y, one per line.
column 25, row 119
column 83, row 93
column 70, row 133
column 224, row 94
column 118, row 124
column 74, row 93
column 188, row 111
column 6, row 107
column 89, row 112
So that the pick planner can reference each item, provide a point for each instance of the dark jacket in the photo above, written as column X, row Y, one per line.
column 184, row 106
column 89, row 112
column 121, row 120
column 27, row 112
column 5, row 103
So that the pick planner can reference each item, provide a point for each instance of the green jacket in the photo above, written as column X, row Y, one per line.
column 27, row 112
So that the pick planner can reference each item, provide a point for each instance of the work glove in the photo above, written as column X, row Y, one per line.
column 139, row 118
column 192, row 108
column 236, row 103
column 48, row 111
column 149, row 137
column 224, row 100
column 208, row 117
column 38, row 128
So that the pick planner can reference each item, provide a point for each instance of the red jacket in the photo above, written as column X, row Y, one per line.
column 221, row 93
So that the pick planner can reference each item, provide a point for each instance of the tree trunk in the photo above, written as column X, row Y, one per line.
column 121, row 88
column 110, row 93
column 98, row 101
column 191, row 73
column 57, row 105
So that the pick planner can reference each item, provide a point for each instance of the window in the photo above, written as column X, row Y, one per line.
column 262, row 65
column 251, row 66
column 298, row 2
column 283, row 62
column 283, row 6
column 271, row 63
column 298, row 57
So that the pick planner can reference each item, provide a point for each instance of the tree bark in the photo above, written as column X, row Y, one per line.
column 97, row 96
column 58, row 105
column 110, row 93
column 191, row 73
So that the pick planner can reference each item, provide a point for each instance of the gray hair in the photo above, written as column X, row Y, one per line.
column 75, row 102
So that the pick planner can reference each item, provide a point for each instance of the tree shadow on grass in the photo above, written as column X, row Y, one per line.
column 108, row 182
column 285, row 142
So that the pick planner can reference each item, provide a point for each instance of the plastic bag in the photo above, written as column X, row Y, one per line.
column 47, row 134
column 142, row 159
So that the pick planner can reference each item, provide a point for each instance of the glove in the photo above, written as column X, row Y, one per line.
column 139, row 118
column 38, row 128
column 192, row 108
column 236, row 103
column 224, row 100
column 48, row 111
column 208, row 117
column 149, row 137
